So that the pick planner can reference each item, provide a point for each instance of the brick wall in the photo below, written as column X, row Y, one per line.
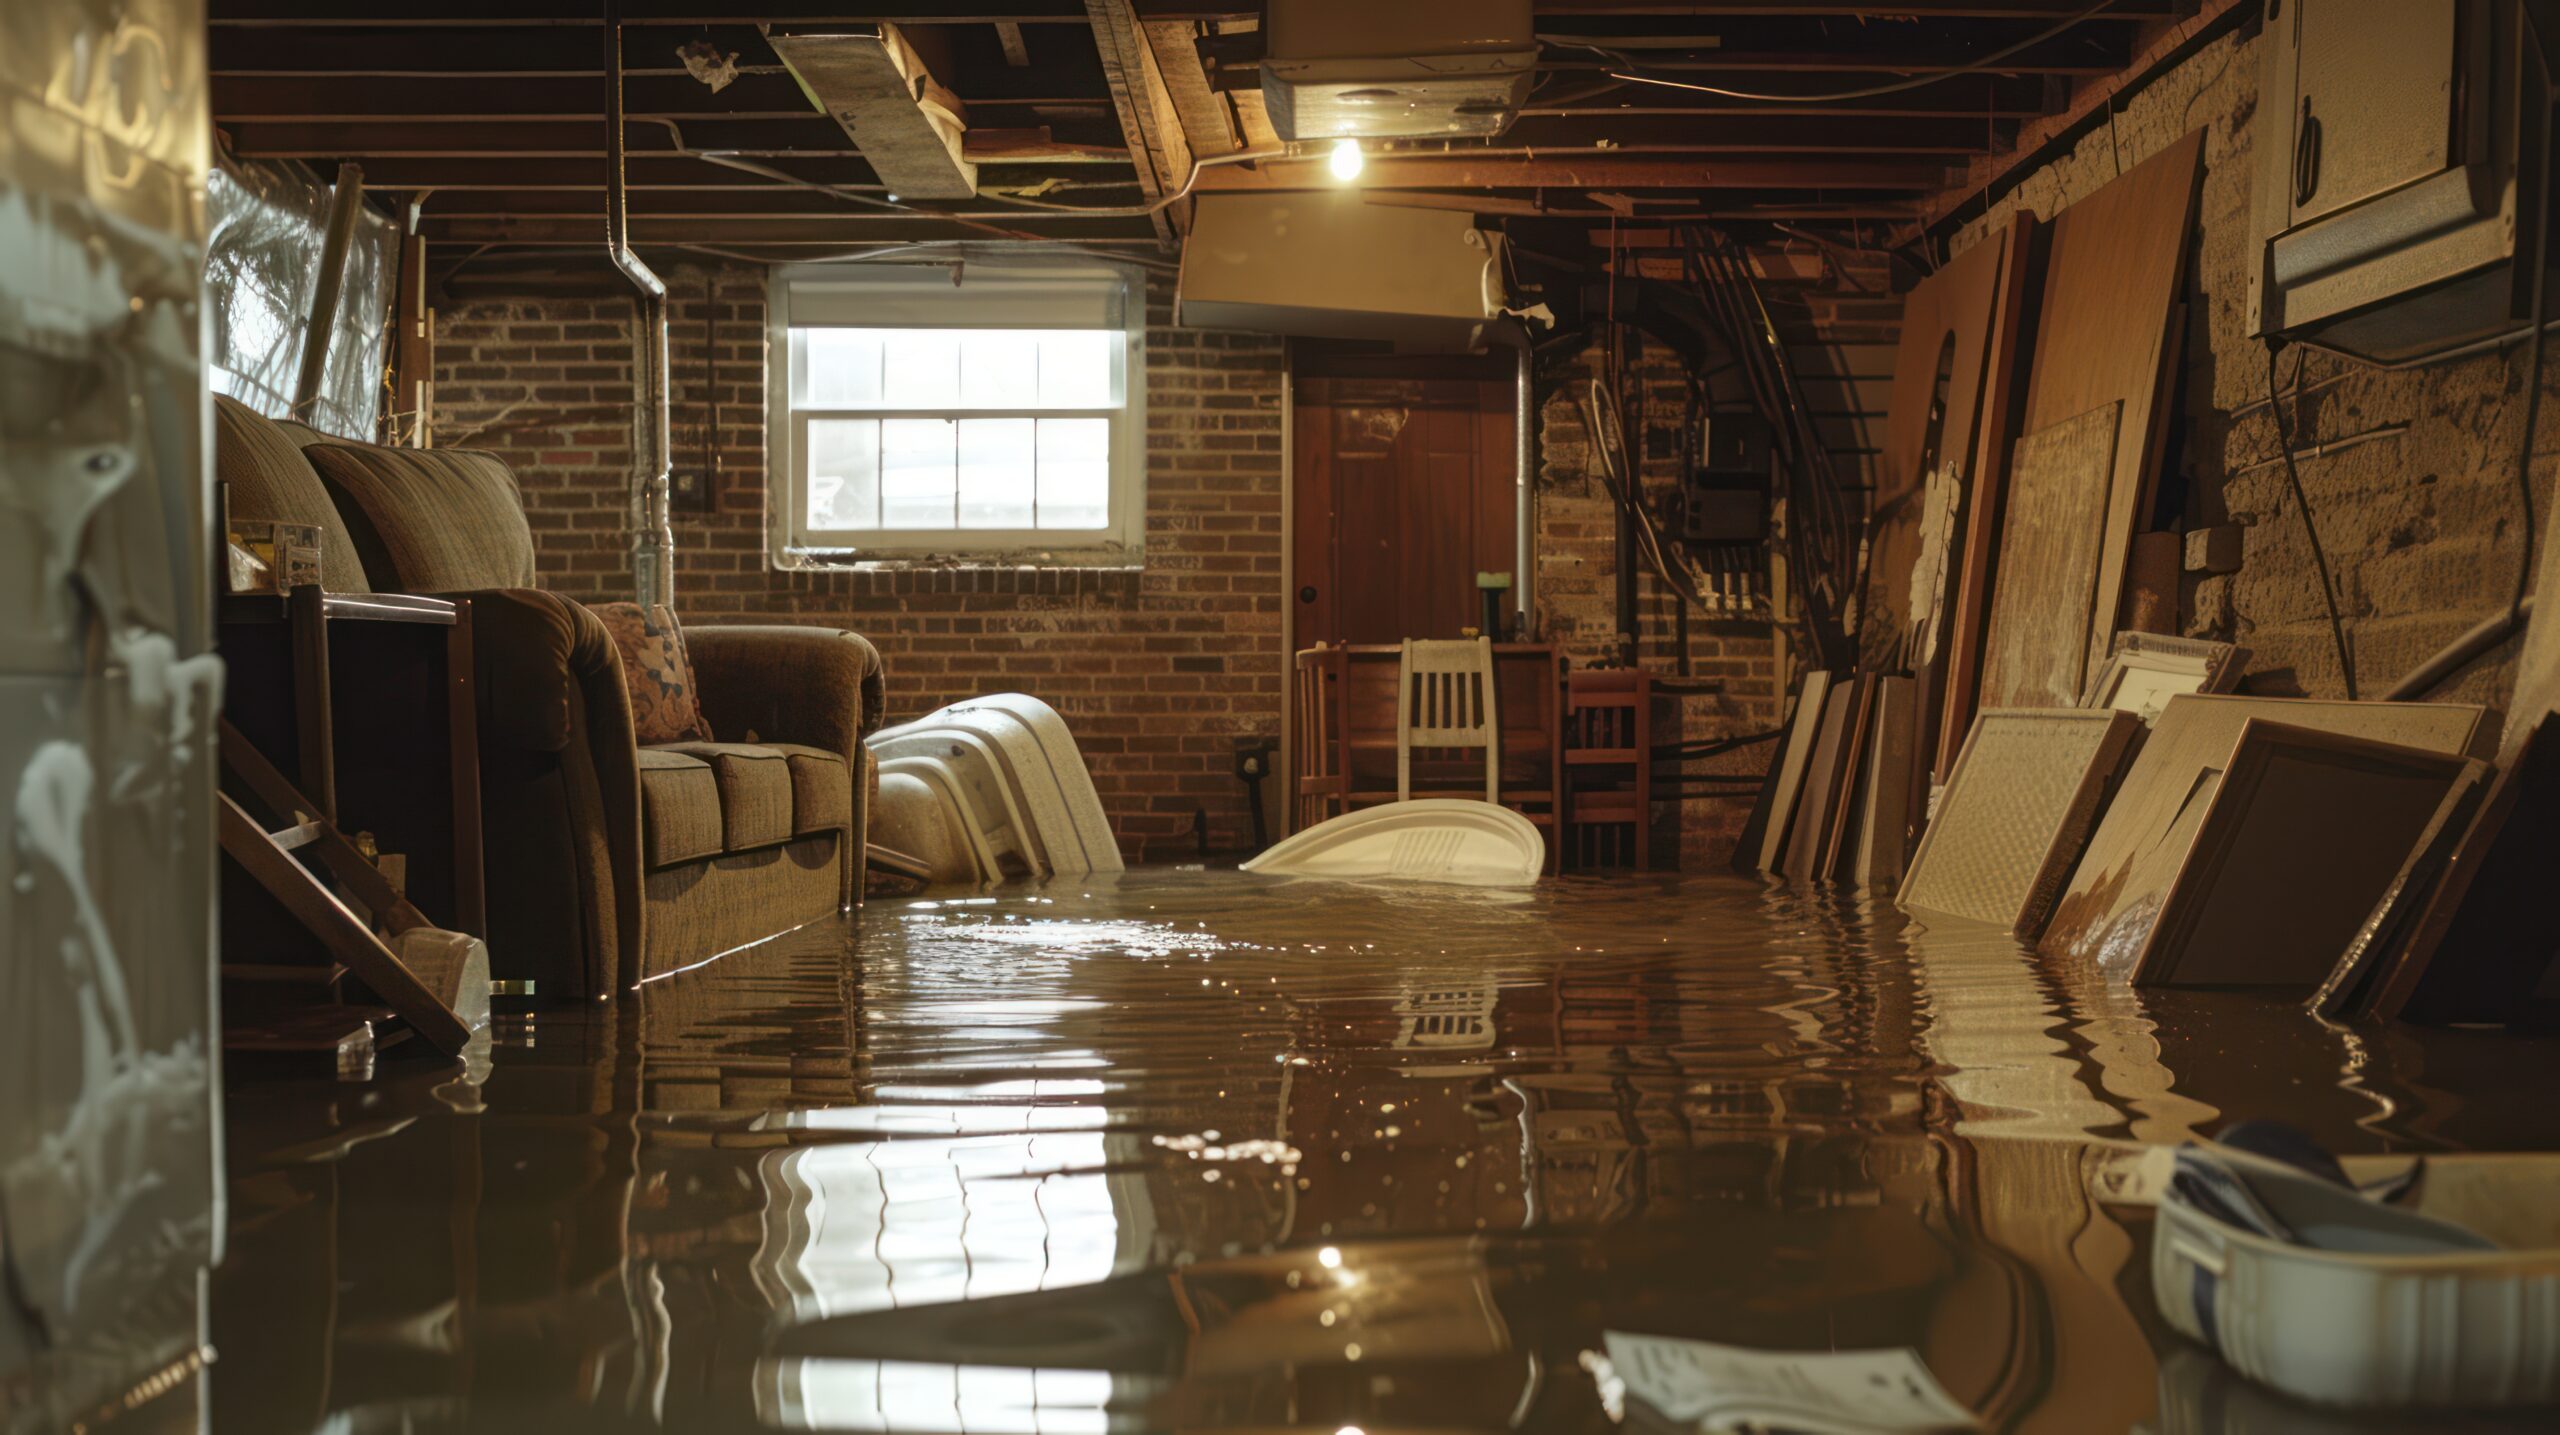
column 1157, row 671
column 2421, row 527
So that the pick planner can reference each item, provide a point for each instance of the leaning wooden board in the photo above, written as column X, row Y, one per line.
column 2049, row 561
column 2112, row 279
column 2021, row 803
column 2188, row 750
column 1947, row 712
column 1764, row 837
column 2297, row 840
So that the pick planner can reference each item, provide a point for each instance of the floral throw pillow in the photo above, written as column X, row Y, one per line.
column 658, row 672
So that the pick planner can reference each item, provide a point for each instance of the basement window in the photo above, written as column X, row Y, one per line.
column 970, row 411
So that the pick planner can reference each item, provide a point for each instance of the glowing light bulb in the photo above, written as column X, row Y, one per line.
column 1346, row 160
column 1329, row 1258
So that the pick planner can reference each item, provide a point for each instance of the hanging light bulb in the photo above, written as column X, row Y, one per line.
column 1346, row 160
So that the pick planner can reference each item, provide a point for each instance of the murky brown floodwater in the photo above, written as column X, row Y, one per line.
column 1204, row 1151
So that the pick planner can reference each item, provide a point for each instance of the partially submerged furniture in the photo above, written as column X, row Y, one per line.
column 609, row 863
column 1446, row 701
column 1421, row 839
column 1608, row 756
column 991, row 788
column 1346, row 738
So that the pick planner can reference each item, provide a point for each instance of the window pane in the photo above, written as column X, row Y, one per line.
column 916, row 479
column 995, row 473
column 923, row 367
column 844, row 473
column 1000, row 369
column 835, row 368
column 1076, row 369
column 1075, row 473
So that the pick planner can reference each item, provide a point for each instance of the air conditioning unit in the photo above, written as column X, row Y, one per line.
column 1327, row 264
column 1396, row 69
column 2400, row 178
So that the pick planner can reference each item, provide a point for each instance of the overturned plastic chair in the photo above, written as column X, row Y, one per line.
column 1425, row 839
column 992, row 788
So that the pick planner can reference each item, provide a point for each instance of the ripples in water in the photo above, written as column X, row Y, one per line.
column 1204, row 1151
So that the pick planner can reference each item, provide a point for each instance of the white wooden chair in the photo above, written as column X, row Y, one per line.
column 1445, row 699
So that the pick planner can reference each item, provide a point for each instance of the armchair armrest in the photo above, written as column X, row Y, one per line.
column 822, row 687
column 533, row 650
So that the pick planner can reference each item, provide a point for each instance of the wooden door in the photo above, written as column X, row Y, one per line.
column 1404, row 493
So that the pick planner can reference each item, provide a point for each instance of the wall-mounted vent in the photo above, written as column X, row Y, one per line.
column 872, row 81
column 1387, row 69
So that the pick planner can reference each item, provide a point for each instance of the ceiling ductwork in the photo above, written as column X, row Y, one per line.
column 871, row 80
column 1396, row 69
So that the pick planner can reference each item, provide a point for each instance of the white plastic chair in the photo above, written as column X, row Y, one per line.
column 1444, row 699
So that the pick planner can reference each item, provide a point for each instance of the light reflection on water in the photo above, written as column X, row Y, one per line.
column 1074, row 1160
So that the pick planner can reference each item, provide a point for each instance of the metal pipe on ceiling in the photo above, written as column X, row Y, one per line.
column 653, row 557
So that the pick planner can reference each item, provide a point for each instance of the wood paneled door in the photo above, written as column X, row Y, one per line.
column 1404, row 492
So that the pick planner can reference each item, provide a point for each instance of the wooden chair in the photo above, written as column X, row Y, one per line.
column 1445, row 700
column 1321, row 759
column 1609, row 766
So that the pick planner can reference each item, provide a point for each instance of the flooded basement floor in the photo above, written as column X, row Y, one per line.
column 1206, row 1151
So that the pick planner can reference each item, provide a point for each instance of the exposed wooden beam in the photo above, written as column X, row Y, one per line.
column 546, row 13
column 1589, row 171
column 1009, row 38
column 848, row 228
column 2045, row 10
column 649, row 174
column 1147, row 120
column 555, row 136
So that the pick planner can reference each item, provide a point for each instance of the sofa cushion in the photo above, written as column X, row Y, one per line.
column 272, row 482
column 821, row 789
column 430, row 520
column 679, row 808
column 755, row 791
column 657, row 671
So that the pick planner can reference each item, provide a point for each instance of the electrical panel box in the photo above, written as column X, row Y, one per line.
column 2399, row 177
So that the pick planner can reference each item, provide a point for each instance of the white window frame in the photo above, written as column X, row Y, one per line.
column 991, row 292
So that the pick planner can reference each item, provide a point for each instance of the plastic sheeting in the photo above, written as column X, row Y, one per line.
column 269, row 223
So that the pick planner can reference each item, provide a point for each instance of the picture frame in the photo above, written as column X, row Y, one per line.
column 2144, row 670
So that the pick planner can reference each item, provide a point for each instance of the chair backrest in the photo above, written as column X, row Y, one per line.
column 1445, row 699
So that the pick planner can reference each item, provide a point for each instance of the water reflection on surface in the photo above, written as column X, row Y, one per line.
column 1206, row 1151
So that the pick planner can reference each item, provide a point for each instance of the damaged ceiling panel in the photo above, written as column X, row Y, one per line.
column 871, row 81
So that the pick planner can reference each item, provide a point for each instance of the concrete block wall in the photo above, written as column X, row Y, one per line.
column 2423, row 527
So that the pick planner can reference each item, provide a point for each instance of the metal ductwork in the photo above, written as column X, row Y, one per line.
column 1390, row 69
column 653, row 543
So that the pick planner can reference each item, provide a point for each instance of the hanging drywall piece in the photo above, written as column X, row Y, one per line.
column 2016, row 813
column 2049, row 559
column 2114, row 892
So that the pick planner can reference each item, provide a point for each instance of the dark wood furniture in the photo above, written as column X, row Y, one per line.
column 1608, row 778
column 1346, row 735
column 367, row 701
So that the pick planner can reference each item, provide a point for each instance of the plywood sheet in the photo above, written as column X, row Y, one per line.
column 2303, row 835
column 1949, row 693
column 2487, row 943
column 1821, row 778
column 1762, row 847
column 2179, row 765
column 2112, row 280
column 2020, row 804
column 1883, row 846
column 1926, row 466
column 2049, row 561
column 2379, row 944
